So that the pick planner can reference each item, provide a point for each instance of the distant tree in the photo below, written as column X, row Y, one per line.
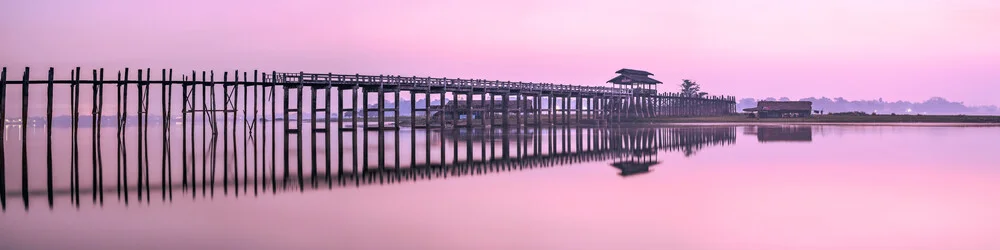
column 785, row 99
column 746, row 103
column 691, row 88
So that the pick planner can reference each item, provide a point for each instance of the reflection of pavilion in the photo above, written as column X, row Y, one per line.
column 637, row 148
column 632, row 167
column 638, row 152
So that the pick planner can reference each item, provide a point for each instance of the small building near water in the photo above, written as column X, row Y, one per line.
column 781, row 109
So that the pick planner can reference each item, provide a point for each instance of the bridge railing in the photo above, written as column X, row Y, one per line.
column 416, row 82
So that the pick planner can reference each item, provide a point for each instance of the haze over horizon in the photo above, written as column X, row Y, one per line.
column 894, row 49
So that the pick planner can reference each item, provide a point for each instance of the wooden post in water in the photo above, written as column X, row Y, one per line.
column 185, row 85
column 236, row 110
column 274, row 133
column 326, row 124
column 75, row 154
column 298, row 127
column 284, row 178
column 166, row 172
column 48, row 136
column 354, row 128
column 517, row 114
column 566, row 109
column 396, row 108
column 505, row 106
column 98, row 160
column 441, row 110
column 253, row 133
column 226, row 99
column 340, row 132
column 413, row 128
column 24, row 131
column 312, row 132
column 468, row 109
column 208, row 111
column 381, row 107
column 3, row 137
column 579, row 108
column 138, row 136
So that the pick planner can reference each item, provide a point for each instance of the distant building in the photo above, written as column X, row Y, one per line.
column 781, row 109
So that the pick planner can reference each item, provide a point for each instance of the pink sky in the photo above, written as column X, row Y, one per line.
column 858, row 49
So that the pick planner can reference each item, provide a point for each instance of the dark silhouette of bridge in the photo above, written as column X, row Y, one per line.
column 567, row 105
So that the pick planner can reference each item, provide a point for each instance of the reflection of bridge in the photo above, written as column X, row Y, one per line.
column 472, row 152
column 206, row 99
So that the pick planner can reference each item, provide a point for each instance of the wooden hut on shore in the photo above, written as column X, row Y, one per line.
column 781, row 109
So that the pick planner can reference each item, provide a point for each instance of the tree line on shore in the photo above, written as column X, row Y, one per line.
column 932, row 106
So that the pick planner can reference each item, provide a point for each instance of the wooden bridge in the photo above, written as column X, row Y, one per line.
column 552, row 103
column 566, row 105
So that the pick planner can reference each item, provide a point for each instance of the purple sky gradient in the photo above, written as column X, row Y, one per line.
column 857, row 49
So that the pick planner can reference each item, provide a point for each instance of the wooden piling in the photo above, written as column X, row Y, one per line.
column 312, row 133
column 166, row 172
column 24, row 143
column 75, row 150
column 48, row 136
column 226, row 99
column 3, row 137
column 253, row 132
column 326, row 125
column 138, row 137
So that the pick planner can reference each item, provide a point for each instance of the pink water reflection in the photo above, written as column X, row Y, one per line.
column 849, row 188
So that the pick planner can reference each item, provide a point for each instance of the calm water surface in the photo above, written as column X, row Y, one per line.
column 676, row 187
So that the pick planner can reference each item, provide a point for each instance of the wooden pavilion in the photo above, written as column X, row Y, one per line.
column 634, row 79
